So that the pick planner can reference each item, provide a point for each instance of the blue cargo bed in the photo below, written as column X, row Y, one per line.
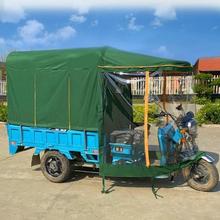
column 65, row 141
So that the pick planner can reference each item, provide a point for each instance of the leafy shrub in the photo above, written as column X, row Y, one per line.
column 3, row 112
column 203, row 87
column 138, row 111
column 203, row 90
column 209, row 114
column 201, row 100
column 216, row 82
column 204, row 77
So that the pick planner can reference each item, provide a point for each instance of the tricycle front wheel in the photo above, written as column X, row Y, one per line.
column 202, row 176
column 55, row 166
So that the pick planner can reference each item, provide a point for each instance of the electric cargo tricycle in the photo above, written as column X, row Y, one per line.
column 75, row 108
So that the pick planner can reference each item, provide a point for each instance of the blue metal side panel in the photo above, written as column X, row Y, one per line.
column 15, row 138
column 92, row 142
column 77, row 138
column 15, row 133
column 65, row 141
column 162, row 145
column 173, row 134
column 177, row 136
column 39, row 137
column 125, row 153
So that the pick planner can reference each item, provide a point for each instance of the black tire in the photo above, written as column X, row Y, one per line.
column 201, row 176
column 55, row 166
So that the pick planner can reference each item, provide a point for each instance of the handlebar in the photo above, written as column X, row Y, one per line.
column 164, row 114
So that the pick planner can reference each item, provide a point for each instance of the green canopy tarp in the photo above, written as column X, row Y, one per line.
column 64, row 88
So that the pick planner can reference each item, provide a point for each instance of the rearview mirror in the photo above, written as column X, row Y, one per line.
column 179, row 107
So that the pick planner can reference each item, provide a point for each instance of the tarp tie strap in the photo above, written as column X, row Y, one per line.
column 154, row 190
column 103, row 184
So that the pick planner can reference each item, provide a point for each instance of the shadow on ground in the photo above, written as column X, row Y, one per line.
column 84, row 172
column 130, row 181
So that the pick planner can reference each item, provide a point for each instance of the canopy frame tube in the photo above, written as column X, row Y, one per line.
column 146, row 96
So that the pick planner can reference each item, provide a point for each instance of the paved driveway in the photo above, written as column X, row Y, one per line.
column 26, row 194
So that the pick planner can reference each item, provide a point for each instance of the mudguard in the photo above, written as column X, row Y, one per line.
column 35, row 160
column 208, row 158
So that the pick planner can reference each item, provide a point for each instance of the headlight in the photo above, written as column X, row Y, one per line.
column 192, row 127
column 119, row 149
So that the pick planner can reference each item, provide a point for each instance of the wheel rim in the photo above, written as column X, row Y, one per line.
column 200, row 174
column 53, row 166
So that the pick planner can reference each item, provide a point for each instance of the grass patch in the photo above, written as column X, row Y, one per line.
column 138, row 113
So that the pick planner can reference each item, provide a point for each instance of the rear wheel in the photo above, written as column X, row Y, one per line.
column 55, row 166
column 202, row 176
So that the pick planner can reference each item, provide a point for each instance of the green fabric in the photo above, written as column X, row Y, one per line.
column 112, row 57
column 62, row 88
column 130, row 170
column 20, row 97
column 52, row 100
column 57, row 89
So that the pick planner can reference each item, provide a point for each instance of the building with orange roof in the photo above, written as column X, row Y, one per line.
column 208, row 65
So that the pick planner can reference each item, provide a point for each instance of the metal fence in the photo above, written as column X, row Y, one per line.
column 174, row 84
column 2, row 88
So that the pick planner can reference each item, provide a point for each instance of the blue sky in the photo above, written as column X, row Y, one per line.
column 178, row 33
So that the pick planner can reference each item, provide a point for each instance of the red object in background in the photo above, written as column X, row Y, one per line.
column 211, row 64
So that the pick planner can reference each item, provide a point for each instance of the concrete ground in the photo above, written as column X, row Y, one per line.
column 26, row 194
